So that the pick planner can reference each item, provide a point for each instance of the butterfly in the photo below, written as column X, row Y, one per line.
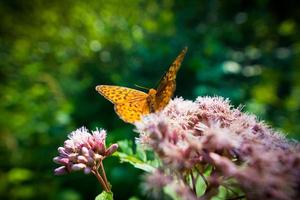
column 131, row 104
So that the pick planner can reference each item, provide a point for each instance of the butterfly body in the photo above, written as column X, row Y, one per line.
column 131, row 104
column 151, row 100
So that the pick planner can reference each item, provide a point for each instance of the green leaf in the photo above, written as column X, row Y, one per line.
column 126, row 146
column 141, row 154
column 200, row 186
column 137, row 163
column 139, row 158
column 221, row 194
column 105, row 196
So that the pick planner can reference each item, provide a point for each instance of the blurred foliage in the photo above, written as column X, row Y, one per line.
column 53, row 54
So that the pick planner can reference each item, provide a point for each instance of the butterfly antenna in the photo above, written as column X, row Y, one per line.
column 142, row 87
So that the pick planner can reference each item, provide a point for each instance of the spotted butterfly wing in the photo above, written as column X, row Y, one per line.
column 130, row 104
column 167, row 85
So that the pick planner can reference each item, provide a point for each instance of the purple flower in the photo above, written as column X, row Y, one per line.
column 85, row 151
column 190, row 136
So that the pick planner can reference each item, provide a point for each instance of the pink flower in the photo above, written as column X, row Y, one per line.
column 82, row 151
column 189, row 136
column 85, row 151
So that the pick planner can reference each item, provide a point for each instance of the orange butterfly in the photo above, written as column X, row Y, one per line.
column 131, row 104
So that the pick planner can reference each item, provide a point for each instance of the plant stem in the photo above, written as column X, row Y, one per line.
column 193, row 183
column 104, row 174
column 101, row 181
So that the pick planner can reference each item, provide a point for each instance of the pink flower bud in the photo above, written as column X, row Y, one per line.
column 73, row 156
column 112, row 149
column 87, row 170
column 60, row 170
column 85, row 151
column 82, row 159
column 100, row 148
column 60, row 160
column 91, row 153
column 79, row 166
column 61, row 150
column 90, row 160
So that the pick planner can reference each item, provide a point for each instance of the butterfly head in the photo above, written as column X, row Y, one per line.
column 152, row 92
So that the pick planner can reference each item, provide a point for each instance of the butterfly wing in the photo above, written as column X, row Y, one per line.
column 130, row 104
column 132, row 111
column 167, row 85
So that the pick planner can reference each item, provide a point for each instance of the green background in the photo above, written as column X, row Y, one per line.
column 54, row 53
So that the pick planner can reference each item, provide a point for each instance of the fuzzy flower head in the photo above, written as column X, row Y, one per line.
column 189, row 136
column 83, row 151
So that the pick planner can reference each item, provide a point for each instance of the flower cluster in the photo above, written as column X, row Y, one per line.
column 233, row 148
column 85, row 151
